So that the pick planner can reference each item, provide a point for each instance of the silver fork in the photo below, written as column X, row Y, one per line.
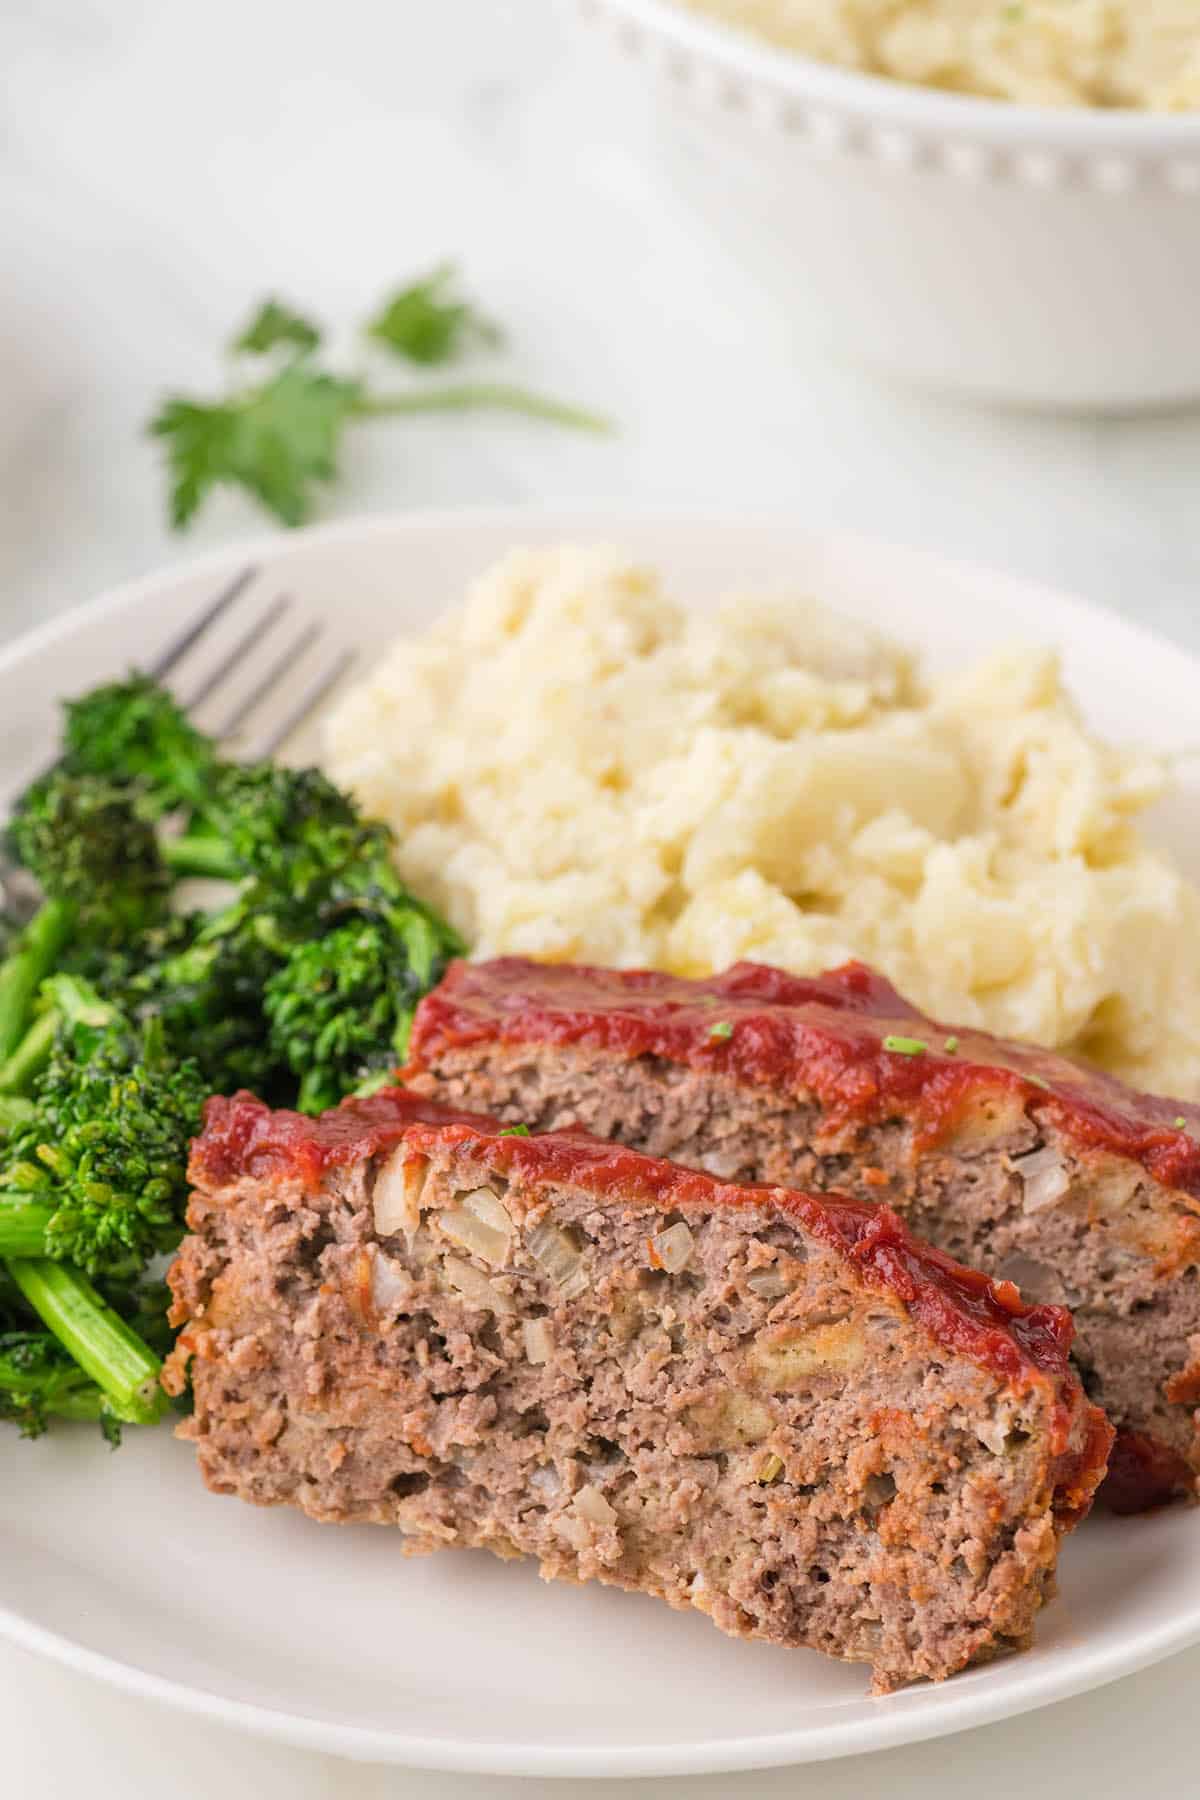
column 321, row 682
column 19, row 892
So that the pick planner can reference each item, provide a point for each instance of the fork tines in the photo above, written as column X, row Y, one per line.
column 232, row 662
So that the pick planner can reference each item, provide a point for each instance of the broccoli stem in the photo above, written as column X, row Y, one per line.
column 63, row 1394
column 14, row 1111
column 23, row 972
column 201, row 853
column 23, row 1226
column 80, row 1405
column 74, row 1001
column 32, row 1053
column 101, row 1343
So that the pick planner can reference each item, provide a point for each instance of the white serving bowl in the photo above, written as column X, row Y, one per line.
column 1020, row 254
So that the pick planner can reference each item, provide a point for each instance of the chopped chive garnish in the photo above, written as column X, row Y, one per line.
column 515, row 1131
column 1180, row 1123
column 951, row 1045
column 1038, row 1082
column 722, row 1029
column 903, row 1046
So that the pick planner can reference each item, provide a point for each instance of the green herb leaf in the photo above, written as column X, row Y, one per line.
column 951, row 1045
column 1180, row 1123
column 723, row 1029
column 199, row 441
column 275, row 324
column 281, row 435
column 905, row 1046
column 515, row 1131
column 429, row 322
column 275, row 441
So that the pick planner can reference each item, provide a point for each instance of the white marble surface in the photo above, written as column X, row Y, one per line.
column 161, row 166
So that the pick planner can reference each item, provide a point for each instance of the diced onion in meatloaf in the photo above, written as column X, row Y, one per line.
column 1004, row 1155
column 778, row 1408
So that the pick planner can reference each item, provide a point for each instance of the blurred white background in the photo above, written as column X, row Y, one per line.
column 162, row 167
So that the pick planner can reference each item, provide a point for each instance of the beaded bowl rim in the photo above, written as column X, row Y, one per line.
column 838, row 111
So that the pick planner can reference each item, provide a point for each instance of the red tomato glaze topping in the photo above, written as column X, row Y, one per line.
column 963, row 1310
column 846, row 1037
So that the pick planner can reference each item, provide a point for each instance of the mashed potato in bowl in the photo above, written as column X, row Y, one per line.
column 578, row 767
column 1133, row 53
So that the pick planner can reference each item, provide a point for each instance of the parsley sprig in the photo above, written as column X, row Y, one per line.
column 429, row 322
column 277, row 431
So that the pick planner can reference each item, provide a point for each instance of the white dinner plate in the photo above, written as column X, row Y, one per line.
column 122, row 1565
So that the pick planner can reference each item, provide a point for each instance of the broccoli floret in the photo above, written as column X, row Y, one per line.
column 304, row 854
column 94, row 852
column 96, row 1181
column 285, row 828
column 117, row 1017
column 324, row 939
column 90, row 845
column 103, row 1159
column 133, row 731
column 119, row 971
column 339, row 1007
column 208, row 998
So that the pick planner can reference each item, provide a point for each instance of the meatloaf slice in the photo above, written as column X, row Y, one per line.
column 778, row 1408
column 1012, row 1159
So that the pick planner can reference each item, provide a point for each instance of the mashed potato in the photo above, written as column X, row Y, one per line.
column 579, row 768
column 1140, row 53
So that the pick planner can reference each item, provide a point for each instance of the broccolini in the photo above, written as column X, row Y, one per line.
column 119, row 1013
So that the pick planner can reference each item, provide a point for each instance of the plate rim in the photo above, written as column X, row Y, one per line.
column 945, row 1717
column 945, row 1712
column 609, row 518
